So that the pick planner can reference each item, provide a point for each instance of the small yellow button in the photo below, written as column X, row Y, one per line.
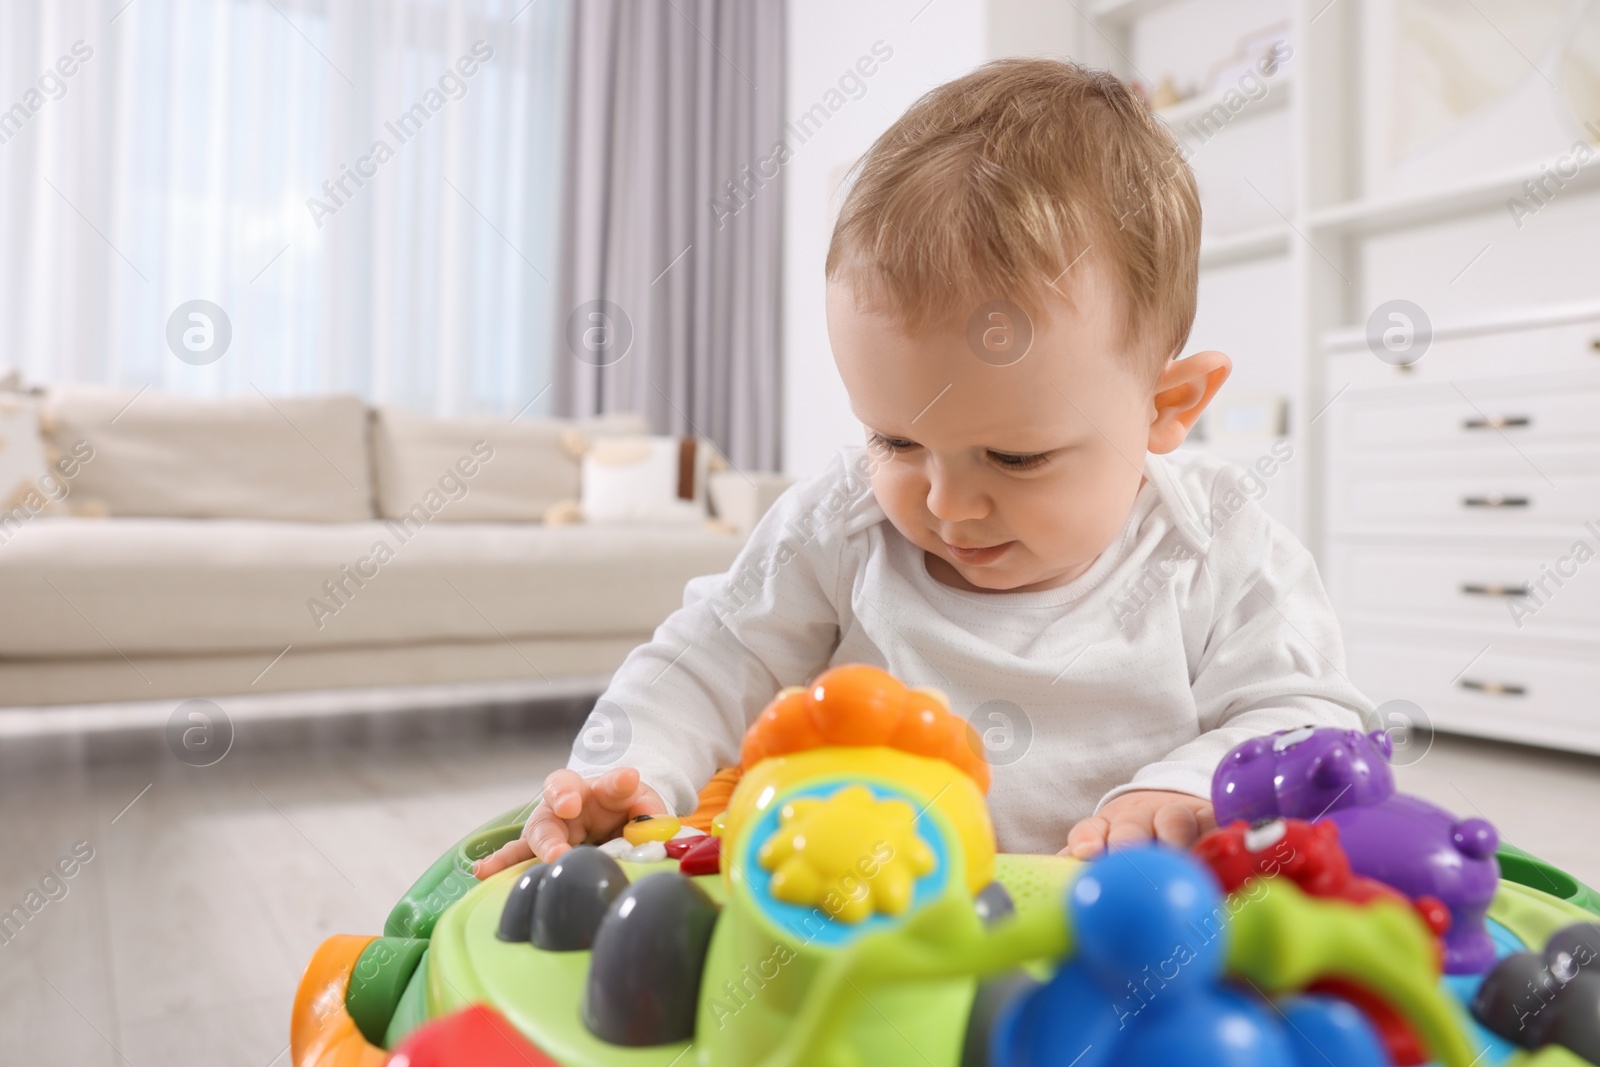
column 644, row 828
column 851, row 853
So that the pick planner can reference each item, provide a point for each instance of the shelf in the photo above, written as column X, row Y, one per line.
column 1353, row 338
column 1179, row 115
column 1124, row 11
column 1378, row 214
column 1243, row 247
column 1239, row 453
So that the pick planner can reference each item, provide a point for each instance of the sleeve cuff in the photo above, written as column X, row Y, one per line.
column 1170, row 777
column 675, row 790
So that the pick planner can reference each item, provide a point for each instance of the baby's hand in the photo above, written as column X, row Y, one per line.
column 1173, row 818
column 575, row 810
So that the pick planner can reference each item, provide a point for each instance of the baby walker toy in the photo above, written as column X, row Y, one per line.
column 837, row 901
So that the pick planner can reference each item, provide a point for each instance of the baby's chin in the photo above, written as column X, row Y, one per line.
column 1019, row 578
column 994, row 581
column 990, row 579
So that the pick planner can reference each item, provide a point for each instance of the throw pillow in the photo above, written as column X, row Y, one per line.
column 27, row 481
column 639, row 479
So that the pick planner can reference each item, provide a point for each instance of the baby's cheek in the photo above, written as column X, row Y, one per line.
column 1067, row 528
column 1104, row 503
column 897, row 494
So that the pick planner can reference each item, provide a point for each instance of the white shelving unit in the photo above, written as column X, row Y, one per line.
column 1266, row 252
column 1188, row 113
column 1381, row 214
column 1434, row 496
column 1262, row 243
column 1121, row 12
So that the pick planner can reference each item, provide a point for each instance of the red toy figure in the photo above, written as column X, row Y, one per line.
column 1309, row 855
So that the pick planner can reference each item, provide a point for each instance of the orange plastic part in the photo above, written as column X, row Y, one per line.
column 714, row 798
column 321, row 1032
column 859, row 705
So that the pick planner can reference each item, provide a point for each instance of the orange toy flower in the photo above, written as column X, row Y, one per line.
column 856, row 705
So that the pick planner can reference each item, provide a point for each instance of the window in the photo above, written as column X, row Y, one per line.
column 368, row 192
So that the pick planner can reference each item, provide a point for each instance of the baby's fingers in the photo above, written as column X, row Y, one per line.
column 565, row 793
column 507, row 855
column 619, row 791
column 1177, row 824
column 550, row 835
column 1087, row 839
column 1130, row 827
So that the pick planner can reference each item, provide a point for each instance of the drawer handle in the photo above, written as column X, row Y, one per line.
column 1471, row 589
column 1496, row 422
column 1510, row 689
column 1495, row 501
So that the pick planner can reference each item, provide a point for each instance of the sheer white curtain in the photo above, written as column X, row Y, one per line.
column 367, row 189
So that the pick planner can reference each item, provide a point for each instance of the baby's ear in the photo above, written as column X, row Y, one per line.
column 1182, row 392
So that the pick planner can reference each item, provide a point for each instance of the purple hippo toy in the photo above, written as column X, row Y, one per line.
column 1404, row 841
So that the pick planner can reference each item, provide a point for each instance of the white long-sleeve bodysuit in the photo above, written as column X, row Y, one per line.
column 1202, row 624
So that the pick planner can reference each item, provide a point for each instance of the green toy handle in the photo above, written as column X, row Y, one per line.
column 1524, row 868
column 1284, row 940
column 944, row 940
column 448, row 880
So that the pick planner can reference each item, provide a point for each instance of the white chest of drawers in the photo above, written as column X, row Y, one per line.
column 1460, row 521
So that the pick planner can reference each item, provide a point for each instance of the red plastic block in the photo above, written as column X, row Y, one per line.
column 679, row 845
column 475, row 1036
column 704, row 858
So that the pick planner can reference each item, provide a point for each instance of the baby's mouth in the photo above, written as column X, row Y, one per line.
column 977, row 556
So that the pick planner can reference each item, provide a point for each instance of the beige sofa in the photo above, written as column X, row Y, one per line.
column 217, row 547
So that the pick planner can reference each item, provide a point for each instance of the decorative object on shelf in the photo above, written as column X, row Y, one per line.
column 1451, row 65
column 1580, row 72
column 1457, row 91
column 1167, row 94
column 1259, row 53
column 1247, row 417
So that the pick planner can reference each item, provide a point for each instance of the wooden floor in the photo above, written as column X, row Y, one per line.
column 180, row 942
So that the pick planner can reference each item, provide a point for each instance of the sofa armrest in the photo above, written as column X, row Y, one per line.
column 741, row 498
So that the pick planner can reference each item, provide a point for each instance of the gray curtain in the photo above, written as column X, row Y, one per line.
column 669, row 277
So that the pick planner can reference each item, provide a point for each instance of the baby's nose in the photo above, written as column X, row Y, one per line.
column 953, row 500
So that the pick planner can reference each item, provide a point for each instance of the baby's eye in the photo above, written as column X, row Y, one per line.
column 897, row 444
column 1012, row 462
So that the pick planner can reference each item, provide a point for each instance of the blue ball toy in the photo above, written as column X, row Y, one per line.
column 1146, row 984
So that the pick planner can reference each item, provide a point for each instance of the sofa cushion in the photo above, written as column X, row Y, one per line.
column 248, row 457
column 83, row 587
column 518, row 468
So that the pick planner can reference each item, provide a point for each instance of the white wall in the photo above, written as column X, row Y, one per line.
column 931, row 43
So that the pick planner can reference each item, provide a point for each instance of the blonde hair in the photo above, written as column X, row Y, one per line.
column 992, row 185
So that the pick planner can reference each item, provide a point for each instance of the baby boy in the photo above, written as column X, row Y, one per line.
column 1010, row 282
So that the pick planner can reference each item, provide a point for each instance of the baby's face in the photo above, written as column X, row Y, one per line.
column 1010, row 478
